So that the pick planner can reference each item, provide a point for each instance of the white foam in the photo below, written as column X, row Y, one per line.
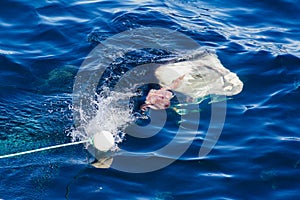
column 111, row 116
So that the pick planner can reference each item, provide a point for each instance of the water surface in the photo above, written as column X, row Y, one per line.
column 257, row 156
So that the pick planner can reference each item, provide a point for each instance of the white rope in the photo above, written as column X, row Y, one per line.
column 44, row 149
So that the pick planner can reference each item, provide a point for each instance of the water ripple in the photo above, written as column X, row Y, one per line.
column 42, row 46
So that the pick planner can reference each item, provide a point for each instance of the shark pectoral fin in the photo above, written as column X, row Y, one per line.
column 103, row 163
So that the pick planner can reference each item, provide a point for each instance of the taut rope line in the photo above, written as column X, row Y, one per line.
column 44, row 149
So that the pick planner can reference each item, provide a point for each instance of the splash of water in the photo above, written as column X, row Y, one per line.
column 111, row 112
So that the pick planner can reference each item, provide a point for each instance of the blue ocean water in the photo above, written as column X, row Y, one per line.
column 43, row 44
